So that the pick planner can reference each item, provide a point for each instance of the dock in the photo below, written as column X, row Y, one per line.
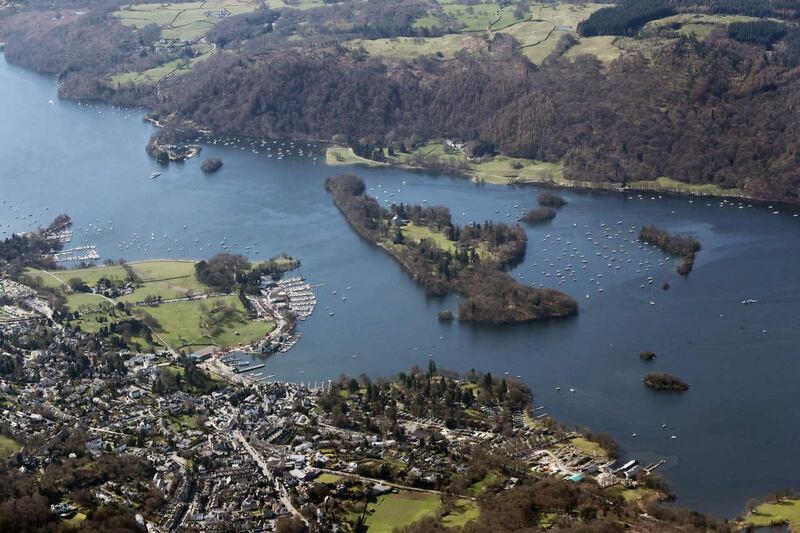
column 81, row 253
column 248, row 369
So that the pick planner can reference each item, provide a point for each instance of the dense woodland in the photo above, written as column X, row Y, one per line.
column 586, row 508
column 626, row 18
column 537, row 216
column 718, row 110
column 473, row 268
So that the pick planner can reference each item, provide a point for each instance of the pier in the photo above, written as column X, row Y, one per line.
column 81, row 253
column 248, row 368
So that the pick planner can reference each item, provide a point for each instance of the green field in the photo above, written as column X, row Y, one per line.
column 399, row 510
column 416, row 233
column 184, row 21
column 492, row 479
column 768, row 514
column 341, row 155
column 537, row 29
column 601, row 47
column 168, row 279
column 670, row 185
column 74, row 522
column 175, row 67
column 511, row 170
column 588, row 447
column 699, row 24
column 183, row 323
column 535, row 37
column 90, row 276
column 498, row 169
column 501, row 169
column 328, row 479
column 403, row 47
column 466, row 511
column 8, row 446
column 297, row 4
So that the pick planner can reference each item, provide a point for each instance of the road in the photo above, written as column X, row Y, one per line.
column 284, row 495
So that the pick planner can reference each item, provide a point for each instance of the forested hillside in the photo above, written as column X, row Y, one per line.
column 717, row 106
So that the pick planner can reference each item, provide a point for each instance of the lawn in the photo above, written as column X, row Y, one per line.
column 74, row 522
column 90, row 276
column 498, row 169
column 168, row 279
column 588, row 447
column 432, row 153
column 78, row 301
column 768, row 514
column 182, row 324
column 466, row 511
column 492, row 479
column 417, row 233
column 328, row 479
column 502, row 170
column 399, row 510
column 341, row 155
column 8, row 446
column 184, row 422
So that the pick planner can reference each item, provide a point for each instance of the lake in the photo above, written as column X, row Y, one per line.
column 736, row 429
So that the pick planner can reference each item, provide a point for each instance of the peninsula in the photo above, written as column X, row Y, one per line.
column 444, row 258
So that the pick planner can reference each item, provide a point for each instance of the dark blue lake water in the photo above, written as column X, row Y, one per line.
column 737, row 428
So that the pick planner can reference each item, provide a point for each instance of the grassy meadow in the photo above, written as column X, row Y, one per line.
column 183, row 324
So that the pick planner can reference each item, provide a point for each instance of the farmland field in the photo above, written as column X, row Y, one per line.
column 185, row 21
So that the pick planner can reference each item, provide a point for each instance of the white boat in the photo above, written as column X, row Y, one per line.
column 749, row 301
column 154, row 175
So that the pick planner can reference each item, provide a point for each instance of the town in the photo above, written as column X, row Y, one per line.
column 137, row 431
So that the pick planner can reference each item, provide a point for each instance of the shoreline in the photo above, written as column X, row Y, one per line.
column 477, row 176
column 472, row 175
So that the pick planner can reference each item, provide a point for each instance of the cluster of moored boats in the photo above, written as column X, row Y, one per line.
column 301, row 298
column 271, row 147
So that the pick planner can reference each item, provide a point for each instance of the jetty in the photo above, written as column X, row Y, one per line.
column 248, row 368
column 81, row 253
